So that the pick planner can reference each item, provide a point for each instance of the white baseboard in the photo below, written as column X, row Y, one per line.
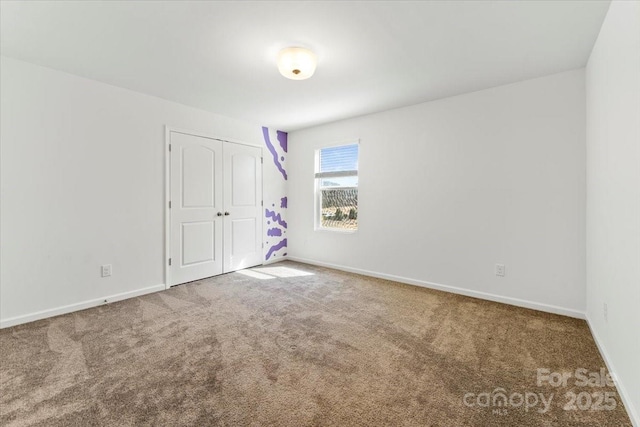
column 461, row 291
column 18, row 320
column 624, row 394
column 12, row 321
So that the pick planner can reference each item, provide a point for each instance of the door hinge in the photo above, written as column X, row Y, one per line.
column 261, row 202
column 169, row 147
column 263, row 246
column 169, row 261
column 169, row 204
column 262, row 160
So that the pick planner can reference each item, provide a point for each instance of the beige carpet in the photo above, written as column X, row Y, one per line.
column 285, row 349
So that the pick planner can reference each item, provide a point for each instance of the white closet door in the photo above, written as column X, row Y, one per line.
column 243, row 206
column 196, row 207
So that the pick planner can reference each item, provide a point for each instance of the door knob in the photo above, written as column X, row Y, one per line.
column 227, row 214
column 219, row 214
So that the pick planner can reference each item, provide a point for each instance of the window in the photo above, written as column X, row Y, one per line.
column 337, row 188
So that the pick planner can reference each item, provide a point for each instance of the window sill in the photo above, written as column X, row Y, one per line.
column 335, row 230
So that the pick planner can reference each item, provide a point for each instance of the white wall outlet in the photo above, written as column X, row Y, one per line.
column 106, row 270
column 605, row 312
column 500, row 270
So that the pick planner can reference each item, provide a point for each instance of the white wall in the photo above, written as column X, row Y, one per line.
column 82, row 172
column 450, row 188
column 613, row 196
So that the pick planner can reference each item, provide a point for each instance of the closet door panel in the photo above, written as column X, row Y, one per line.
column 196, row 199
column 243, row 206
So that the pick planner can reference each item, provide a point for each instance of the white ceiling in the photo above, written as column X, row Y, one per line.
column 373, row 56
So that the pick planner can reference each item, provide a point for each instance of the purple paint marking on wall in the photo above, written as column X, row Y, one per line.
column 274, row 232
column 272, row 150
column 275, row 217
column 282, row 139
column 276, row 247
column 277, row 144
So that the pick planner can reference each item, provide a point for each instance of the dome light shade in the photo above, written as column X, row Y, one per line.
column 297, row 63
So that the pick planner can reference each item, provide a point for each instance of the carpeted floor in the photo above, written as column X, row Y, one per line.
column 296, row 345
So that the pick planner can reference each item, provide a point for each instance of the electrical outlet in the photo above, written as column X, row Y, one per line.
column 106, row 270
column 605, row 312
column 500, row 270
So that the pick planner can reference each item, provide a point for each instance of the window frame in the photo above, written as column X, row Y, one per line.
column 337, row 174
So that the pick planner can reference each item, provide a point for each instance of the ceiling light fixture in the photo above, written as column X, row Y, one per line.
column 297, row 63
